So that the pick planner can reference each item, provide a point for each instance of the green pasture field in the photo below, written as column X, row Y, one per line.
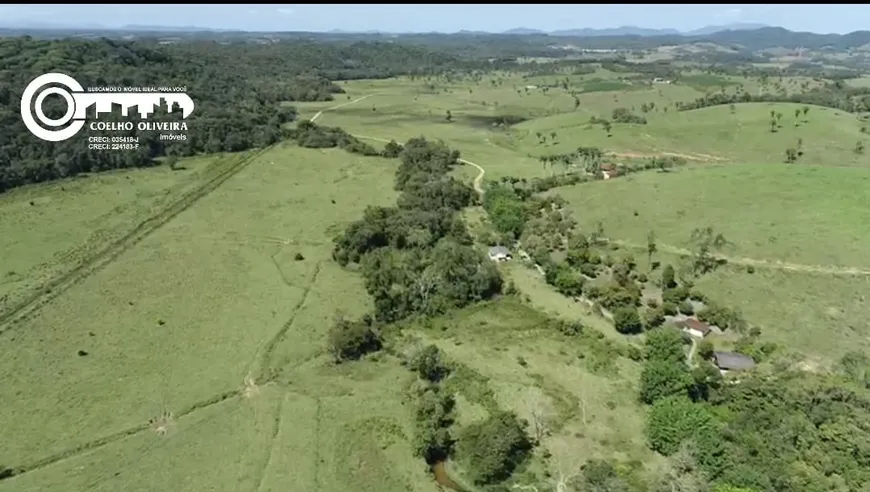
column 807, row 213
column 826, row 137
column 811, row 218
column 404, row 108
column 204, row 340
column 820, row 316
column 194, row 356
column 791, row 213
column 58, row 224
column 507, row 359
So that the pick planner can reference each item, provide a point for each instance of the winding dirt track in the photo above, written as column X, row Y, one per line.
column 778, row 265
column 775, row 265
column 320, row 113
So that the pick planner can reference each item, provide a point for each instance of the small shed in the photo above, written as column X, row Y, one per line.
column 732, row 361
column 499, row 253
column 694, row 327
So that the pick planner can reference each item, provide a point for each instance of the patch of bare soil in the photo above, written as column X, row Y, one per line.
column 251, row 389
column 162, row 424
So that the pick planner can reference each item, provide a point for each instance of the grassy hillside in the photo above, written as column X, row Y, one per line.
column 800, row 214
column 826, row 137
column 57, row 225
column 244, row 322
column 195, row 311
column 768, row 213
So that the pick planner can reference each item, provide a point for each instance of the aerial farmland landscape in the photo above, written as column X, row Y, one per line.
column 468, row 259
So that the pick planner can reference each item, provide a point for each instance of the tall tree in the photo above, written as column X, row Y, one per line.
column 651, row 246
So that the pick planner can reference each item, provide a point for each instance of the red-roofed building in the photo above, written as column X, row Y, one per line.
column 697, row 329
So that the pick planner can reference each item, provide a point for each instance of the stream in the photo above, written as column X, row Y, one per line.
column 443, row 479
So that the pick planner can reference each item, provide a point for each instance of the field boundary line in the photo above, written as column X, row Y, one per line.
column 269, row 348
column 771, row 264
column 117, row 436
column 107, row 255
column 276, row 428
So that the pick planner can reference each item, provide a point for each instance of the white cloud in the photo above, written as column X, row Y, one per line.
column 284, row 11
column 730, row 13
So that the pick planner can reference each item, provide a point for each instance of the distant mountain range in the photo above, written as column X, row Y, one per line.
column 585, row 32
column 750, row 37
column 636, row 31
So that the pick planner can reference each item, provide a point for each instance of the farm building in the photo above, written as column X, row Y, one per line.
column 732, row 361
column 499, row 253
column 692, row 326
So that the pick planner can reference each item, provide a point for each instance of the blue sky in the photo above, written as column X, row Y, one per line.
column 443, row 18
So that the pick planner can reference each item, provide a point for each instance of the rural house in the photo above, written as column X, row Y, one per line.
column 499, row 253
column 732, row 361
column 694, row 327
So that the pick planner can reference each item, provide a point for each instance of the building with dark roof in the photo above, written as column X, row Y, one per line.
column 732, row 361
column 499, row 253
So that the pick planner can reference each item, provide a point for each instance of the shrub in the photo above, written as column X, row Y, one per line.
column 705, row 349
column 654, row 318
column 493, row 448
column 662, row 378
column 392, row 149
column 433, row 418
column 589, row 270
column 634, row 353
column 675, row 295
column 697, row 295
column 668, row 281
column 686, row 308
column 627, row 320
column 570, row 328
column 664, row 345
column 722, row 317
column 669, row 308
column 675, row 420
column 593, row 292
column 429, row 364
column 350, row 340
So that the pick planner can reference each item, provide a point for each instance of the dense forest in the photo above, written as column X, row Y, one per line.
column 235, row 109
column 780, row 430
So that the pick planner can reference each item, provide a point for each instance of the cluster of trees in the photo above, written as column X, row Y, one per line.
column 491, row 449
column 236, row 109
column 310, row 135
column 851, row 100
column 418, row 257
column 539, row 223
column 623, row 115
column 590, row 160
column 778, row 431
